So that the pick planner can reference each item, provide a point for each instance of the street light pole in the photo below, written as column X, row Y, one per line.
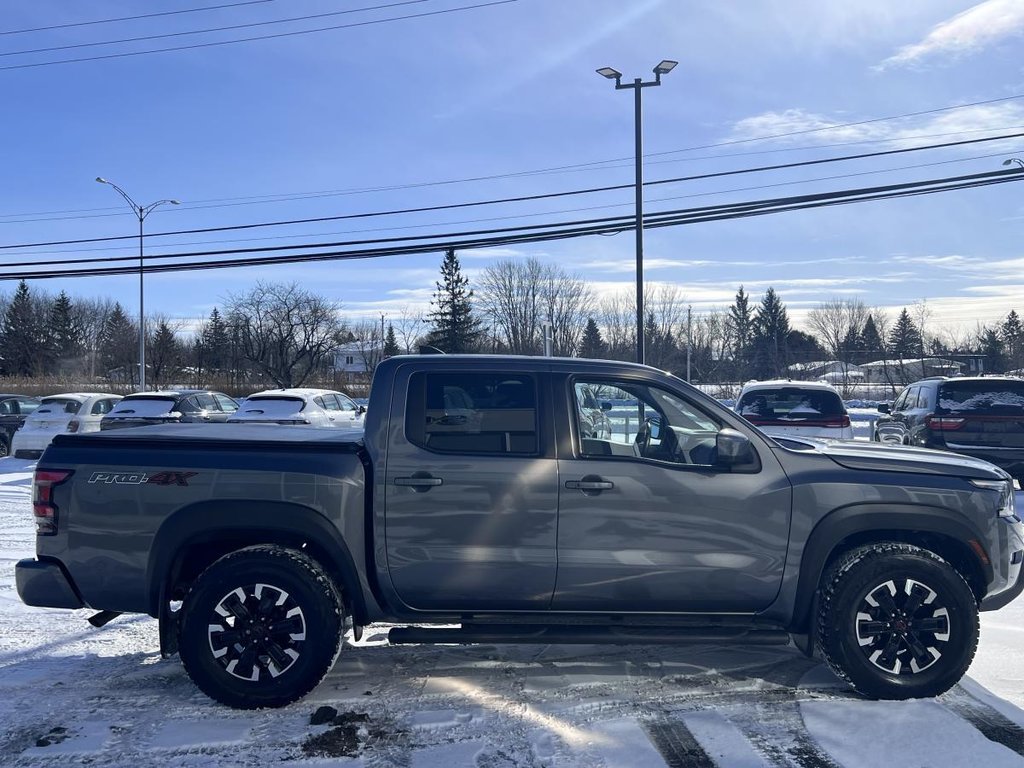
column 638, row 85
column 141, row 212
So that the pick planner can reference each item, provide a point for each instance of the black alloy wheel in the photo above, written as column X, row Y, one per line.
column 896, row 621
column 261, row 627
column 902, row 626
column 258, row 630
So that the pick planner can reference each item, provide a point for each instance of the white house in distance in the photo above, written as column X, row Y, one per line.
column 829, row 370
column 357, row 356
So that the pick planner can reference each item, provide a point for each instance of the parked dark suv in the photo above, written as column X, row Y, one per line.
column 170, row 406
column 980, row 417
column 13, row 410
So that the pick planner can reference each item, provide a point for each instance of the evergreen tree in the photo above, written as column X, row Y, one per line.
column 870, row 339
column 63, row 336
column 455, row 327
column 163, row 358
column 118, row 346
column 852, row 342
column 741, row 320
column 22, row 335
column 992, row 348
column 770, row 336
column 592, row 346
column 1011, row 333
column 391, row 343
column 216, row 342
column 904, row 338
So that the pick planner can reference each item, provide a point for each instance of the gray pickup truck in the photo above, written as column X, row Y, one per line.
column 474, row 508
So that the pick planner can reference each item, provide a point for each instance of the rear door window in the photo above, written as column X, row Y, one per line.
column 28, row 406
column 994, row 398
column 226, row 403
column 473, row 413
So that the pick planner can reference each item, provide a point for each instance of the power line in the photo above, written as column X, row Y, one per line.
column 517, row 199
column 528, row 233
column 504, row 218
column 478, row 243
column 210, row 29
column 230, row 202
column 258, row 37
column 133, row 18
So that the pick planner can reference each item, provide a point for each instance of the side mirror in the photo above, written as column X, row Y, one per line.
column 605, row 405
column 360, row 410
column 733, row 448
column 883, row 408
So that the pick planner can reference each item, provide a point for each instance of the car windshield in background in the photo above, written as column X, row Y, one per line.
column 143, row 406
column 272, row 407
column 790, row 404
column 56, row 405
column 992, row 397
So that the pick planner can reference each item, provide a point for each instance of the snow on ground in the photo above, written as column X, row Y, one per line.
column 72, row 695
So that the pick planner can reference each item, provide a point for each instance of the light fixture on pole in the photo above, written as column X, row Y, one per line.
column 141, row 212
column 637, row 85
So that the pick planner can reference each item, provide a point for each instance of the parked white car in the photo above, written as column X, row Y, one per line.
column 72, row 412
column 315, row 407
column 795, row 409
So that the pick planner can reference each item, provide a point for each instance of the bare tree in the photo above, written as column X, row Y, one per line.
column 617, row 315
column 284, row 331
column 368, row 343
column 410, row 327
column 519, row 295
column 922, row 316
column 836, row 322
column 90, row 316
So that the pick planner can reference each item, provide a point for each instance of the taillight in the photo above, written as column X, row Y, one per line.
column 944, row 422
column 45, row 511
column 73, row 425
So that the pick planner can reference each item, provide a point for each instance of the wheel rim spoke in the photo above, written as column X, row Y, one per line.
column 891, row 635
column 257, row 629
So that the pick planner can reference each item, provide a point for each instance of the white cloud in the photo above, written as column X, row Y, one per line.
column 629, row 264
column 976, row 28
column 800, row 126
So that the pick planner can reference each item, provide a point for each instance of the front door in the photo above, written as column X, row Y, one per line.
column 649, row 522
column 470, row 492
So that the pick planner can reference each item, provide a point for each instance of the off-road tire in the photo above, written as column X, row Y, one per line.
column 303, row 620
column 841, row 624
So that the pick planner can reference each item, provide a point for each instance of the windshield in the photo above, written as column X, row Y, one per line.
column 990, row 397
column 143, row 407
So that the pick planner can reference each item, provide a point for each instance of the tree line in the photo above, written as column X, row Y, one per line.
column 281, row 334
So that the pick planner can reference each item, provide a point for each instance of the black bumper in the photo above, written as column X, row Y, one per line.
column 43, row 583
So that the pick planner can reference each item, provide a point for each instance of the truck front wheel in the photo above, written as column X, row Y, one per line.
column 261, row 627
column 897, row 621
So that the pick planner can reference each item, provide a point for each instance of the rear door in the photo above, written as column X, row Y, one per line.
column 471, row 490
column 647, row 519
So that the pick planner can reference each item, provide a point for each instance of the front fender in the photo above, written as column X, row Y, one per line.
column 859, row 523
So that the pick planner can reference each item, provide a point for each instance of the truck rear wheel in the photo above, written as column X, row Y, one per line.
column 897, row 621
column 261, row 627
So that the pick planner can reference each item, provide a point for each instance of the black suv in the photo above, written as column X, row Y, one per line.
column 981, row 417
column 169, row 406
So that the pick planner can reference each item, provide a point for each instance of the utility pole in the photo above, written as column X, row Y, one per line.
column 689, row 340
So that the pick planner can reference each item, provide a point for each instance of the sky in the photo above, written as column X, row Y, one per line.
column 391, row 113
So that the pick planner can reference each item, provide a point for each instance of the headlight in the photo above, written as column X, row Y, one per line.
column 1006, row 495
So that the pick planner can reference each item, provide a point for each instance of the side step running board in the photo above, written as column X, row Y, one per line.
column 482, row 633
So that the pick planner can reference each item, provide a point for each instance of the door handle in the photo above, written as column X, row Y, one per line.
column 589, row 484
column 419, row 482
